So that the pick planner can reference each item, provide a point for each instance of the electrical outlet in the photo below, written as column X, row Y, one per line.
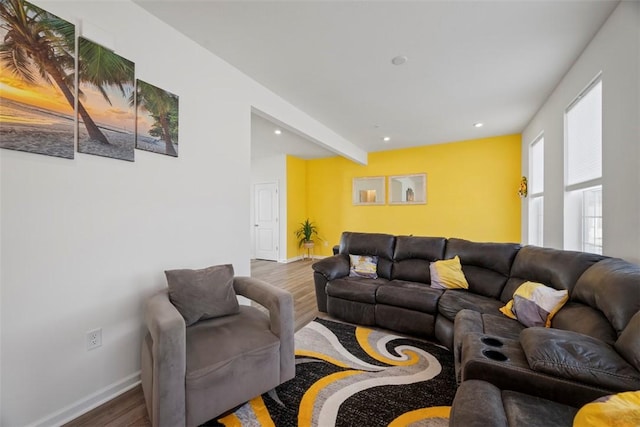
column 94, row 339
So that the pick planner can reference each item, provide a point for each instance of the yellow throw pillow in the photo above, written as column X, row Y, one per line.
column 447, row 274
column 620, row 410
column 535, row 304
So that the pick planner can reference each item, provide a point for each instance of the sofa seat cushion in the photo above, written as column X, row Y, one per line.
column 214, row 344
column 452, row 301
column 577, row 357
column 355, row 288
column 470, row 321
column 412, row 295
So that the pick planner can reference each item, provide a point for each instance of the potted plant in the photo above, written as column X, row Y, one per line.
column 306, row 233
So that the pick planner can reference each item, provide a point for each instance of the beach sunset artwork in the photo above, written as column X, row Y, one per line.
column 106, row 113
column 157, row 119
column 36, row 80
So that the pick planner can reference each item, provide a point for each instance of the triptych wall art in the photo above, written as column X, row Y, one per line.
column 42, row 110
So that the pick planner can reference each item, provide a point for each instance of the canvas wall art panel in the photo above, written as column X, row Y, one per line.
column 157, row 119
column 37, row 62
column 106, row 113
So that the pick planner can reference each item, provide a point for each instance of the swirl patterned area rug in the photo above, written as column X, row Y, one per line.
column 354, row 376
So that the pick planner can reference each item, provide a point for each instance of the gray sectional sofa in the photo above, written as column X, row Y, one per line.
column 592, row 348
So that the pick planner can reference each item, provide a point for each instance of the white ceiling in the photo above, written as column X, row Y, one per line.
column 468, row 61
column 265, row 143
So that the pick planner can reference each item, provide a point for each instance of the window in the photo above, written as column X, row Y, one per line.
column 592, row 220
column 536, row 191
column 583, row 189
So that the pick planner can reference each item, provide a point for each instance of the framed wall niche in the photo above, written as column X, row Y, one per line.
column 408, row 189
column 369, row 190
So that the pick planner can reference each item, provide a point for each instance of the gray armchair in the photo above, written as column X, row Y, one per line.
column 193, row 374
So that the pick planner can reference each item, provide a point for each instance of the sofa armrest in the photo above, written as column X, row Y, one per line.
column 478, row 404
column 280, row 305
column 167, row 329
column 333, row 267
column 466, row 322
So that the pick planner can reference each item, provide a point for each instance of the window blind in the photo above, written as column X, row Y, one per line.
column 584, row 137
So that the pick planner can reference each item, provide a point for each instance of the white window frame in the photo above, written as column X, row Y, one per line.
column 535, row 233
column 576, row 220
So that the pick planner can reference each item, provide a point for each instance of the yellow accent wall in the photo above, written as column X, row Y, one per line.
column 296, row 201
column 471, row 192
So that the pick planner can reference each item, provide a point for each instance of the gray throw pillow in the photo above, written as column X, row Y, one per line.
column 203, row 294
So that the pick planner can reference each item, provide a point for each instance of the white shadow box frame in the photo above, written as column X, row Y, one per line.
column 369, row 190
column 408, row 189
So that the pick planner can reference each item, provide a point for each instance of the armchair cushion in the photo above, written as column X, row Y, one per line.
column 577, row 357
column 202, row 294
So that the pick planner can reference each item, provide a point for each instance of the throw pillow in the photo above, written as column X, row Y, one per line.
column 363, row 266
column 447, row 274
column 203, row 294
column 535, row 304
column 622, row 409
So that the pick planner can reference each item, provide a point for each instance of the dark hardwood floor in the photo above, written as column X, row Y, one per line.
column 129, row 408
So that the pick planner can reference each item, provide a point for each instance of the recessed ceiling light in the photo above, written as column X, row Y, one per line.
column 386, row 139
column 277, row 131
column 399, row 60
column 478, row 125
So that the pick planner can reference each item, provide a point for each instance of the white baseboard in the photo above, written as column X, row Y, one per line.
column 300, row 258
column 90, row 402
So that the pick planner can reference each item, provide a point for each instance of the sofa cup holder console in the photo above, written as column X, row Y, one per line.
column 491, row 342
column 495, row 355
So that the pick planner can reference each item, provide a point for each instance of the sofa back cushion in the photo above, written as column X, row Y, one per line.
column 628, row 345
column 485, row 265
column 412, row 257
column 376, row 244
column 556, row 268
column 611, row 286
column 581, row 318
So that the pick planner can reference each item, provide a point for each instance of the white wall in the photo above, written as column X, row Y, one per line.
column 615, row 50
column 85, row 241
column 271, row 169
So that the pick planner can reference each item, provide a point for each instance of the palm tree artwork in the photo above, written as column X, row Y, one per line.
column 105, row 85
column 157, row 125
column 36, row 80
column 37, row 76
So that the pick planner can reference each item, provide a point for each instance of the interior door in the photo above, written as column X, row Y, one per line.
column 266, row 221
